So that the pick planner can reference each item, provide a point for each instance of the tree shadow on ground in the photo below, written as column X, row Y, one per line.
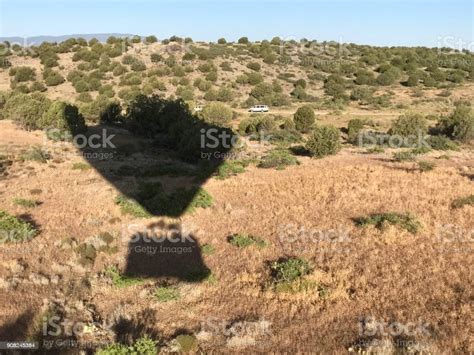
column 158, row 155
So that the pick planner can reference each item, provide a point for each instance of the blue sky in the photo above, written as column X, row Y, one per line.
column 376, row 22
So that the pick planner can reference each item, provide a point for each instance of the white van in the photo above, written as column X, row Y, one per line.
column 259, row 108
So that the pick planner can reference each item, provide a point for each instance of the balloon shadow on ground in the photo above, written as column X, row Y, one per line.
column 158, row 155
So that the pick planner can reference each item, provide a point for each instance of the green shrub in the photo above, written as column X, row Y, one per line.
column 119, row 280
column 442, row 143
column 230, row 168
column 151, row 39
column 131, row 207
column 388, row 77
column 353, row 129
column 244, row 240
column 409, row 125
column 167, row 294
column 26, row 110
column 138, row 65
column 301, row 83
column 37, row 87
column 225, row 94
column 262, row 92
column 119, row 70
column 217, row 113
column 15, row 230
column 111, row 114
column 254, row 66
column 185, row 92
column 36, row 153
column 381, row 220
column 459, row 125
column 304, row 118
column 52, row 78
column 187, row 343
column 299, row 93
column 243, row 40
column 207, row 249
column 81, row 86
column 335, row 86
column 211, row 76
column 463, row 201
column 361, row 94
column 81, row 166
column 289, row 270
column 426, row 165
column 85, row 97
column 323, row 141
column 364, row 77
column 63, row 116
column 23, row 202
column 94, row 110
column 404, row 156
column 278, row 158
column 225, row 66
column 254, row 78
column 21, row 74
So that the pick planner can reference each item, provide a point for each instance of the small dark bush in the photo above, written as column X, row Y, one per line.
column 279, row 159
column 380, row 221
column 254, row 66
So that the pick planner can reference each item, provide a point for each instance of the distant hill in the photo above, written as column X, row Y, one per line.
column 36, row 40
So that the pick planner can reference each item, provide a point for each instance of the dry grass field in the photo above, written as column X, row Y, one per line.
column 356, row 250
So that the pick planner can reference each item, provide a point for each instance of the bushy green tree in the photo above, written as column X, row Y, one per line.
column 26, row 110
column 217, row 113
column 323, row 141
column 254, row 78
column 261, row 91
column 353, row 129
column 304, row 118
column 411, row 124
column 459, row 125
column 185, row 92
column 151, row 39
column 211, row 76
column 335, row 86
column 21, row 74
column 156, row 57
column 301, row 83
column 63, row 116
column 364, row 77
column 52, row 77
